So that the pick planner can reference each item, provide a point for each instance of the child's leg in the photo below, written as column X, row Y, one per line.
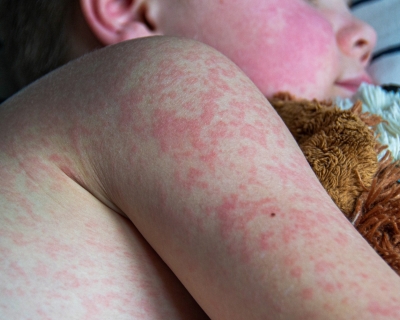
column 173, row 135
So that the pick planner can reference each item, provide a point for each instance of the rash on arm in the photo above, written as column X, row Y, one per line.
column 180, row 140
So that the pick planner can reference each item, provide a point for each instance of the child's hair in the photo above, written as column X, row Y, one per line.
column 35, row 37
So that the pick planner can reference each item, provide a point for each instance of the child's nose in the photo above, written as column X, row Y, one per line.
column 357, row 39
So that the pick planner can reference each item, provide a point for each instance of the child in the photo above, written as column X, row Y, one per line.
column 154, row 172
column 86, row 25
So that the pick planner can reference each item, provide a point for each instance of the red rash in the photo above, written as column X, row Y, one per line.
column 197, row 132
column 268, row 242
column 307, row 294
column 296, row 272
column 377, row 310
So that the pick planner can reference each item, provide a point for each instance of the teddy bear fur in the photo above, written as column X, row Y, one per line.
column 342, row 149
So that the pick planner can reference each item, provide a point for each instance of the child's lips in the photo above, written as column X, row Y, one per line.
column 354, row 83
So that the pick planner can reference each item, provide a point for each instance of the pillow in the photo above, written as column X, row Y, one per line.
column 384, row 16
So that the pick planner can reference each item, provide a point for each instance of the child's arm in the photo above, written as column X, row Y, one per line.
column 177, row 138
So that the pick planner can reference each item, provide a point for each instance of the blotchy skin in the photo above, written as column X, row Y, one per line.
column 157, row 163
column 306, row 47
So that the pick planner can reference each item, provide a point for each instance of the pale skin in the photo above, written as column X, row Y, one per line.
column 153, row 180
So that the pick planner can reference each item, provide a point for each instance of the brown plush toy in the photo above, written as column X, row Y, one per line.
column 342, row 150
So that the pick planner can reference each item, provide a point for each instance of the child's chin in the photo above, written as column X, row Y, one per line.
column 341, row 91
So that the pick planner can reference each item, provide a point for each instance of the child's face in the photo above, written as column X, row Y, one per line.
column 312, row 48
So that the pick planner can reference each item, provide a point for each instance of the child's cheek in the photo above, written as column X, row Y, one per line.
column 298, row 55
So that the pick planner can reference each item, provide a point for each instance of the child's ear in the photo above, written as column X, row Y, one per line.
column 113, row 21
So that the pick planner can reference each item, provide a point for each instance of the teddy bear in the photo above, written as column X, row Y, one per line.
column 347, row 147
